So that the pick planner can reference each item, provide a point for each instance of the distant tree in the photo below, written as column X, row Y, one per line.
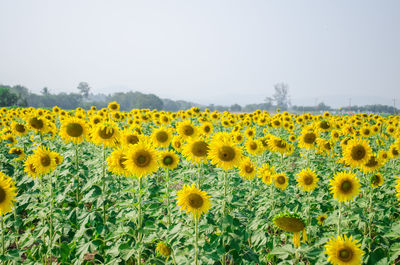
column 84, row 89
column 22, row 93
column 280, row 97
column 7, row 98
column 236, row 107
column 45, row 91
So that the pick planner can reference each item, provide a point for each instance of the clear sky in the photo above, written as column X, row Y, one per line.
column 208, row 51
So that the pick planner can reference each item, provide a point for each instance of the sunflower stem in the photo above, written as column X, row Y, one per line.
column 77, row 173
column 2, row 236
column 168, row 209
column 370, row 219
column 51, row 218
column 196, row 231
column 104, row 184
column 339, row 217
column 198, row 176
column 140, row 221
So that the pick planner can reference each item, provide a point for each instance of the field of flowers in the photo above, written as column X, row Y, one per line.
column 192, row 187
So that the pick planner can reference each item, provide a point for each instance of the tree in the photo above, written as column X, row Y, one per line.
column 281, row 96
column 84, row 89
column 45, row 91
column 236, row 108
column 7, row 98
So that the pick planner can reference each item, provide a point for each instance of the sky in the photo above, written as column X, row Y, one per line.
column 208, row 51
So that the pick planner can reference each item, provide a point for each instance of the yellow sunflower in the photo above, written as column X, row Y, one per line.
column 307, row 179
column 193, row 200
column 129, row 137
column 266, row 173
column 248, row 169
column 19, row 152
column 281, row 181
column 373, row 164
column 163, row 249
column 142, row 160
column 177, row 143
column 113, row 106
column 29, row 167
column 7, row 193
column 105, row 133
column 357, row 152
column 224, row 154
column 161, row 137
column 10, row 139
column 344, row 186
column 321, row 219
column 377, row 180
column 344, row 251
column 73, row 130
column 116, row 162
column 168, row 160
column 196, row 150
column 206, row 128
column 186, row 129
column 19, row 128
column 44, row 160
column 254, row 146
column 307, row 139
column 277, row 144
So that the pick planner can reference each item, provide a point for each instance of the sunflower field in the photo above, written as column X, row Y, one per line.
column 198, row 187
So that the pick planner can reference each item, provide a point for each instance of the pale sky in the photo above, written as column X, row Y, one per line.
column 219, row 51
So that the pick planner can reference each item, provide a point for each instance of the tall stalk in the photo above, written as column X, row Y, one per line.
column 3, row 247
column 104, row 184
column 196, row 232
column 77, row 174
column 140, row 221
column 168, row 205
column 339, row 217
column 51, row 232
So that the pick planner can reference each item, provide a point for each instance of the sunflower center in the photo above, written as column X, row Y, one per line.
column 36, row 123
column 308, row 180
column 249, row 169
column 200, row 149
column 2, row 194
column 162, row 136
column 358, row 152
column 372, row 162
column 395, row 152
column 345, row 254
column 226, row 153
column 20, row 128
column 207, row 129
column 106, row 133
column 346, row 186
column 142, row 159
column 322, row 218
column 309, row 138
column 74, row 129
column 279, row 143
column 195, row 200
column 132, row 139
column 281, row 180
column 188, row 130
column 45, row 160
column 17, row 152
column 324, row 125
column 121, row 161
column 168, row 160
column 253, row 146
column 375, row 179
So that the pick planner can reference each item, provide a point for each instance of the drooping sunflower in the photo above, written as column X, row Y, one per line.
column 344, row 186
column 177, row 143
column 307, row 179
column 266, row 173
column 73, row 130
column 37, row 123
column 277, row 144
column 292, row 223
column 281, row 181
column 10, row 139
column 196, row 150
column 394, row 151
column 224, row 154
column 116, row 162
column 142, row 160
column 344, row 251
column 29, row 167
column 193, row 200
column 163, row 249
column 105, row 133
column 7, row 193
column 130, row 137
column 186, row 129
column 397, row 187
column 321, row 219
column 357, row 152
column 248, row 169
column 254, row 146
column 376, row 180
column 373, row 164
column 168, row 160
column 19, row 152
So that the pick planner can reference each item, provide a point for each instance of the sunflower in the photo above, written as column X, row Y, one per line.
column 193, row 200
column 277, row 144
column 237, row 137
column 37, row 123
column 44, row 160
column 224, row 154
column 250, row 132
column 129, row 137
column 372, row 165
column 19, row 152
column 168, row 159
column 116, row 162
column 281, row 181
column 394, row 151
column 29, row 167
column 397, row 187
column 344, row 186
column 357, row 152
column 19, row 128
column 344, row 251
column 248, row 169
column 307, row 139
column 7, row 193
column 113, row 106
column 266, row 173
column 254, row 146
column 142, row 160
column 161, row 137
column 105, row 133
column 177, row 143
column 196, row 150
column 10, row 138
column 206, row 128
column 307, row 179
column 73, row 130
column 292, row 223
column 163, row 249
column 186, row 129
column 376, row 180
column 321, row 219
